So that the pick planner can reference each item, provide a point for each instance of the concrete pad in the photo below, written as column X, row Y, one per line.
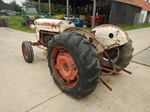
column 22, row 85
column 131, row 93
column 141, row 39
column 30, row 88
column 143, row 57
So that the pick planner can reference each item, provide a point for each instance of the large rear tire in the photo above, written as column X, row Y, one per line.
column 125, row 57
column 122, row 55
column 73, row 64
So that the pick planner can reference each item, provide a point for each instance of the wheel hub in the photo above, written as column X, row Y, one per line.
column 66, row 66
column 25, row 52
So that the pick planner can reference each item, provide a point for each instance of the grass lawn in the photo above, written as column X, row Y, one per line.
column 131, row 27
column 15, row 23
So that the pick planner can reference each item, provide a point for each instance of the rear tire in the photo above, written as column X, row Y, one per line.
column 23, row 23
column 72, row 62
column 121, row 55
column 27, row 51
column 125, row 57
column 29, row 22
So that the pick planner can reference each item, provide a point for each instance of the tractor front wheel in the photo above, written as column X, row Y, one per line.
column 27, row 51
column 73, row 64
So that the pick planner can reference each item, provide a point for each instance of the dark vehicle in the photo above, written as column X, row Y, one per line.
column 8, row 12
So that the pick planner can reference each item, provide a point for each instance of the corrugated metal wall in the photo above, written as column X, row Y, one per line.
column 122, row 13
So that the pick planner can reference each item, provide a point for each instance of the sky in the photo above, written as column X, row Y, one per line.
column 19, row 2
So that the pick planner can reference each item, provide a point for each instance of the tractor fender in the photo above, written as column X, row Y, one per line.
column 110, row 36
column 89, row 36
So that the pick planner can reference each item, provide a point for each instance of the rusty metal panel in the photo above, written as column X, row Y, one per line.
column 110, row 36
column 52, row 25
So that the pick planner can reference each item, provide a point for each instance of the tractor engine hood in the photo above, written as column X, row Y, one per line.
column 51, row 25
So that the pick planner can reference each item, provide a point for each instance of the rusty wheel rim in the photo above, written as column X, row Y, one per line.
column 25, row 52
column 64, row 67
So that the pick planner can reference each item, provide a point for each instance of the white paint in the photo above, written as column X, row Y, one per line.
column 102, row 33
column 144, row 12
column 51, row 25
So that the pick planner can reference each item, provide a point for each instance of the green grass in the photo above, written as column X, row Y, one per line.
column 132, row 27
column 15, row 23
column 129, row 27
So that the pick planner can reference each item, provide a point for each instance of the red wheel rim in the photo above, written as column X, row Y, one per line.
column 64, row 67
column 25, row 53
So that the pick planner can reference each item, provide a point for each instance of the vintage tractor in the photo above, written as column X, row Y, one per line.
column 30, row 14
column 101, row 19
column 78, row 58
column 78, row 22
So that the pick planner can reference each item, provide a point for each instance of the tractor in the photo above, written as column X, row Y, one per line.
column 30, row 13
column 77, row 58
column 79, row 22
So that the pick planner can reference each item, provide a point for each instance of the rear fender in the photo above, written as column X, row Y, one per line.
column 110, row 36
column 89, row 36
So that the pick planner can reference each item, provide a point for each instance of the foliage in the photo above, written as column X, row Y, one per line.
column 12, row 6
column 15, row 23
column 17, row 8
column 55, row 8
column 5, row 6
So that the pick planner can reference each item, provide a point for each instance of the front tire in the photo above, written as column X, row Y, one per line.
column 72, row 62
column 27, row 51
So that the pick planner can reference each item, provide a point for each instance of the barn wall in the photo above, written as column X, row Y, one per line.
column 122, row 13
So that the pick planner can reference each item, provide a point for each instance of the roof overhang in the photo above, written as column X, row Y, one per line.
column 78, row 3
column 139, row 3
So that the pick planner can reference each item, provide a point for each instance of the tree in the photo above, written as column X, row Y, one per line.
column 5, row 6
column 17, row 8
column 55, row 8
column 28, row 2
